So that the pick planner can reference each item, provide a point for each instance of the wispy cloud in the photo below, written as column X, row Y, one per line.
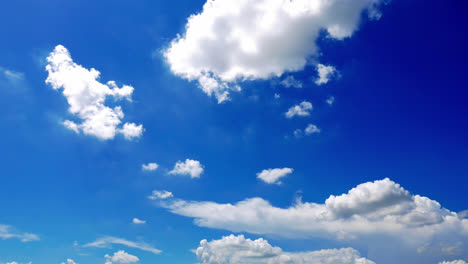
column 7, row 232
column 108, row 241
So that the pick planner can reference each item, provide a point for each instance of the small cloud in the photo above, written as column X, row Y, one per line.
column 302, row 109
column 325, row 73
column 277, row 96
column 7, row 232
column 330, row 100
column 69, row 261
column 311, row 129
column 106, row 242
column 11, row 75
column 290, row 81
column 121, row 257
column 160, row 195
column 152, row 166
column 272, row 176
column 138, row 221
column 189, row 167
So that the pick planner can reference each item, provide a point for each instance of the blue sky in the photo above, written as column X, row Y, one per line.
column 397, row 74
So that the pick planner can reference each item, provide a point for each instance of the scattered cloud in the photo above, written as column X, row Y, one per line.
column 8, row 232
column 330, row 100
column 138, row 221
column 311, row 129
column 273, row 176
column 152, row 166
column 238, row 249
column 230, row 42
column 369, row 212
column 108, row 241
column 302, row 109
column 121, row 257
column 453, row 262
column 69, row 261
column 86, row 97
column 325, row 73
column 160, row 195
column 189, row 167
column 277, row 96
column 290, row 81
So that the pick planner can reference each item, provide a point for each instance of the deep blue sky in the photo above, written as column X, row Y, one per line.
column 400, row 112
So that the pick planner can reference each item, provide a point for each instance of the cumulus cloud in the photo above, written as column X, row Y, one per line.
column 108, row 241
column 325, row 73
column 8, row 232
column 189, row 167
column 311, row 129
column 330, row 100
column 150, row 166
column 290, row 81
column 273, row 176
column 238, row 249
column 69, row 261
column 302, row 109
column 138, row 221
column 232, row 41
column 121, row 257
column 86, row 97
column 160, row 195
column 369, row 212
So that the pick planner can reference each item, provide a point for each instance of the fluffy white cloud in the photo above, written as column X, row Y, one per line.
column 330, row 100
column 69, row 261
column 302, row 109
column 453, row 262
column 232, row 41
column 239, row 250
column 86, row 97
column 273, row 176
column 121, row 257
column 311, row 129
column 7, row 232
column 138, row 221
column 373, row 212
column 290, row 81
column 106, row 242
column 325, row 73
column 150, row 166
column 189, row 167
column 160, row 195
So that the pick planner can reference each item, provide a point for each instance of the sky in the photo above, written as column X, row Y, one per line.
column 243, row 132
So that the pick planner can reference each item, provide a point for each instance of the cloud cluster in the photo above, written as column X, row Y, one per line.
column 160, row 195
column 228, row 41
column 302, row 109
column 152, row 166
column 371, row 210
column 273, row 176
column 108, row 241
column 189, row 167
column 7, row 232
column 239, row 250
column 86, row 97
column 121, row 257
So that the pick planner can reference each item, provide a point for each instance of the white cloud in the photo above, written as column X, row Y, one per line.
column 152, row 166
column 302, row 109
column 86, row 97
column 273, row 176
column 189, row 167
column 325, row 74
column 138, row 221
column 453, row 262
column 11, row 75
column 377, row 213
column 238, row 249
column 277, row 96
column 8, row 232
column 290, row 81
column 233, row 41
column 121, row 257
column 14, row 262
column 330, row 100
column 160, row 195
column 311, row 129
column 69, row 261
column 106, row 242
